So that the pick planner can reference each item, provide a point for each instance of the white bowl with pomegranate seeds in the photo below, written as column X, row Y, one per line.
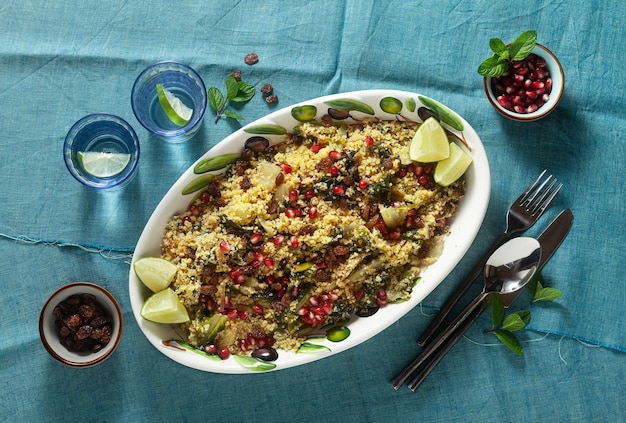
column 528, row 92
column 80, row 324
column 346, row 108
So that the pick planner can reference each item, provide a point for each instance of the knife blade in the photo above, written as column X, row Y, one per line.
column 550, row 239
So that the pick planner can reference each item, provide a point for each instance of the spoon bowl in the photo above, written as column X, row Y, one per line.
column 512, row 265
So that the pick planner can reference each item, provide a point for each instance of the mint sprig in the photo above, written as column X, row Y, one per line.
column 236, row 92
column 504, row 55
column 504, row 326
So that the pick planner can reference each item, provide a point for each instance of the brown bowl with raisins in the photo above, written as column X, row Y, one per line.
column 81, row 324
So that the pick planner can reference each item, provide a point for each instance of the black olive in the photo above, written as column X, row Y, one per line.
column 366, row 312
column 338, row 114
column 257, row 144
column 425, row 113
column 265, row 354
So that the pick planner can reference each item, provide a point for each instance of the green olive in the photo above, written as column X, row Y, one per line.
column 304, row 113
column 391, row 105
column 337, row 333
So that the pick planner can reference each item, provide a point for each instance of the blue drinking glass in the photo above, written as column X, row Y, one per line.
column 183, row 82
column 104, row 134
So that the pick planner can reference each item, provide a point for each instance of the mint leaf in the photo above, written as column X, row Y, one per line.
column 244, row 92
column 493, row 66
column 534, row 283
column 497, row 309
column 498, row 47
column 547, row 294
column 523, row 45
column 516, row 321
column 232, row 115
column 216, row 99
column 231, row 87
column 510, row 340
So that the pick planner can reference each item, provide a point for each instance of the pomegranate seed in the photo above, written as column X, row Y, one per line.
column 243, row 344
column 302, row 311
column 538, row 84
column 335, row 155
column 243, row 315
column 233, row 314
column 210, row 305
column 319, row 310
column 369, row 141
column 204, row 197
column 186, row 219
column 363, row 184
column 257, row 308
column 224, row 246
column 294, row 242
column 293, row 195
column 268, row 262
column 194, row 210
column 532, row 108
column 234, row 274
column 278, row 239
column 327, row 308
column 224, row 353
column 290, row 212
column 402, row 172
column 334, row 171
column 428, row 169
column 394, row 235
column 418, row 170
column 359, row 295
column 211, row 349
column 286, row 168
column 382, row 294
column 316, row 147
column 313, row 212
column 309, row 194
column 548, row 84
column 313, row 301
column 256, row 238
column 338, row 190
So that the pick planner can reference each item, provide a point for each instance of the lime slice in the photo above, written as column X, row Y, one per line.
column 103, row 165
column 430, row 143
column 155, row 273
column 164, row 307
column 449, row 170
column 175, row 109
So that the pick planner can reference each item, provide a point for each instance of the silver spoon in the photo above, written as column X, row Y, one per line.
column 508, row 270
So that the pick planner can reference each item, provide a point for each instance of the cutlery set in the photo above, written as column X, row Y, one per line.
column 507, row 279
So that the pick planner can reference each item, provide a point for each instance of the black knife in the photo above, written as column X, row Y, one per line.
column 550, row 239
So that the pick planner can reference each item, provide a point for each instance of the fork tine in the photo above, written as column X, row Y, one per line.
column 524, row 194
column 530, row 198
column 539, row 208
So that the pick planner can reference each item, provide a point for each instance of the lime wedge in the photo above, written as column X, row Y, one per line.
column 155, row 273
column 449, row 170
column 175, row 109
column 164, row 307
column 103, row 165
column 430, row 143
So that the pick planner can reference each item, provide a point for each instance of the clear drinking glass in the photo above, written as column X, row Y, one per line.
column 107, row 138
column 183, row 82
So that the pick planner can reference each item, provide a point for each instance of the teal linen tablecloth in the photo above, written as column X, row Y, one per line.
column 62, row 60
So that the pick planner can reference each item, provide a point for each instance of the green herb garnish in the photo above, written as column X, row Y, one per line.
column 503, row 327
column 236, row 92
column 503, row 56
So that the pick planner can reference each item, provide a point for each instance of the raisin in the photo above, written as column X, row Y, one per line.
column 251, row 58
column 267, row 89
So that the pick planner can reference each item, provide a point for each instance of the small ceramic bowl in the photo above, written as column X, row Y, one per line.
column 558, row 83
column 50, row 334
